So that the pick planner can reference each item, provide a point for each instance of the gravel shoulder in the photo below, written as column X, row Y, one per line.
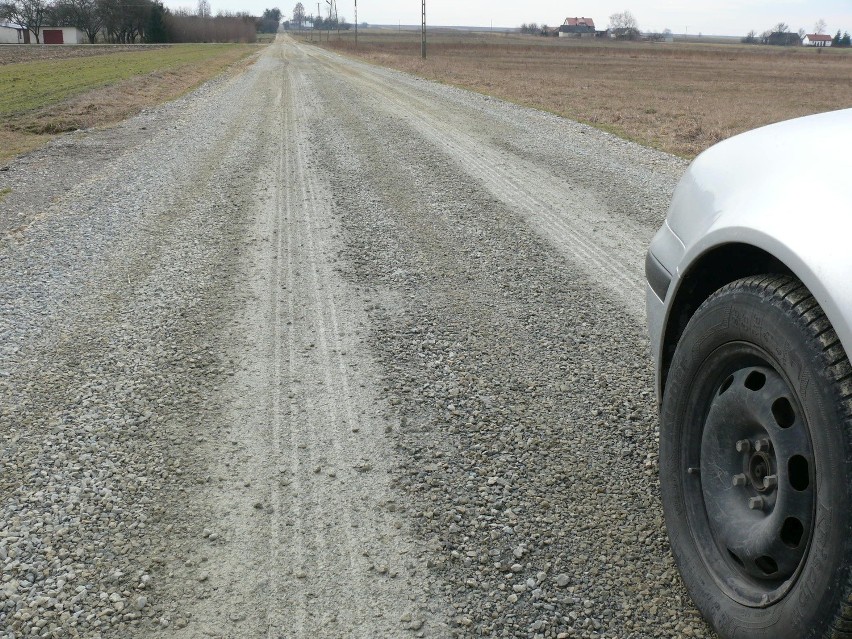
column 327, row 350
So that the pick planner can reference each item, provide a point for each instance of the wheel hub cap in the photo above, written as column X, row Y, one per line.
column 757, row 481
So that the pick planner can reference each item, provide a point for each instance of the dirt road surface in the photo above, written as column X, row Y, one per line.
column 325, row 350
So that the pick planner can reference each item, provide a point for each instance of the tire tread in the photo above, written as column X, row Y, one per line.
column 806, row 311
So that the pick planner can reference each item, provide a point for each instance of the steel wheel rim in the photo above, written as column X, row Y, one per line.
column 750, row 488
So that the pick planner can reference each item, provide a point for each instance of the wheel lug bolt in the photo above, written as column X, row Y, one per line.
column 740, row 480
column 744, row 446
column 756, row 503
column 762, row 445
column 770, row 481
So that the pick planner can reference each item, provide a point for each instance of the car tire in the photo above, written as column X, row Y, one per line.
column 756, row 463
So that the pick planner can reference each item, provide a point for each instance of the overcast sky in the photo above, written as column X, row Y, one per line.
column 711, row 17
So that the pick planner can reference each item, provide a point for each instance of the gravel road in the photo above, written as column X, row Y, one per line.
column 326, row 350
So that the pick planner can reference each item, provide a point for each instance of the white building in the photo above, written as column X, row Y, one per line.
column 47, row 35
column 816, row 40
column 62, row 35
column 11, row 35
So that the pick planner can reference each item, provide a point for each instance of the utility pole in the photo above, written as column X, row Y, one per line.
column 356, row 24
column 423, row 33
column 328, row 24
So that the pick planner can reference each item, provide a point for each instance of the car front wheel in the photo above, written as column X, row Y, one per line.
column 756, row 463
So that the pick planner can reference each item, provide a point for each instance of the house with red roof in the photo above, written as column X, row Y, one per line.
column 816, row 40
column 577, row 27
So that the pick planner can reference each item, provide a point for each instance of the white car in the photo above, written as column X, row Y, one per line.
column 750, row 315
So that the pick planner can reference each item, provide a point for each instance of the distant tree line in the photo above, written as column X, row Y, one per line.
column 331, row 24
column 780, row 34
column 844, row 40
column 301, row 19
column 137, row 21
column 270, row 21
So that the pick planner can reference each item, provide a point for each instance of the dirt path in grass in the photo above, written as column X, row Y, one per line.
column 324, row 350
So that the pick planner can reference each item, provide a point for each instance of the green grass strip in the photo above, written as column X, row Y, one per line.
column 32, row 85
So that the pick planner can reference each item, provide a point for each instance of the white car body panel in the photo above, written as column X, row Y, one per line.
column 786, row 189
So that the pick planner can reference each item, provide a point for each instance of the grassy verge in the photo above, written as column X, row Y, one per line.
column 680, row 98
column 45, row 97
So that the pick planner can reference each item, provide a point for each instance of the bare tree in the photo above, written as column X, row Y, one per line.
column 820, row 26
column 203, row 10
column 124, row 21
column 82, row 14
column 802, row 33
column 751, row 37
column 624, row 25
column 299, row 15
column 623, row 20
column 781, row 27
column 29, row 14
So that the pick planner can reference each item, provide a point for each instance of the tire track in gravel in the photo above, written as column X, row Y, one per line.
column 529, row 422
column 365, row 585
column 308, row 475
column 277, row 277
column 610, row 251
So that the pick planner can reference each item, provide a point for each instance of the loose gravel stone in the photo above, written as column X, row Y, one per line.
column 493, row 250
column 108, row 258
column 518, row 372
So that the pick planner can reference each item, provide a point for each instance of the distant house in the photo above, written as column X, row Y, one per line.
column 13, row 35
column 577, row 27
column 47, row 35
column 782, row 39
column 63, row 35
column 816, row 40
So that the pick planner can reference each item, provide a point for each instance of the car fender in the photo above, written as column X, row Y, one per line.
column 826, row 271
column 760, row 189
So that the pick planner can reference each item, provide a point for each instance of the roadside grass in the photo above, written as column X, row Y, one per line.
column 680, row 98
column 44, row 97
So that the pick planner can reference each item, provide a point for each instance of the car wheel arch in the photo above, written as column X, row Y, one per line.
column 709, row 272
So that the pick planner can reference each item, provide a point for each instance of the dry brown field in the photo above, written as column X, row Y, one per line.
column 15, row 53
column 679, row 97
